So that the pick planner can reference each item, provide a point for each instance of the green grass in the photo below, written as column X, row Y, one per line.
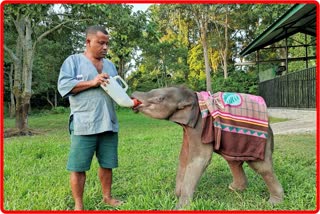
column 277, row 120
column 35, row 177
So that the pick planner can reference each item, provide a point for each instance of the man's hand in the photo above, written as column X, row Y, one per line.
column 97, row 81
column 100, row 79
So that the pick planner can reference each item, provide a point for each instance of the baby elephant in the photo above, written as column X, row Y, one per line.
column 233, row 125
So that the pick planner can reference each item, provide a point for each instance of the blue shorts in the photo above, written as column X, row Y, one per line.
column 83, row 147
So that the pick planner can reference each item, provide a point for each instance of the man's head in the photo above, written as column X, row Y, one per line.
column 97, row 40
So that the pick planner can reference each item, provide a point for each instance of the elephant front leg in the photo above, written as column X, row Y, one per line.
column 183, row 158
column 195, row 167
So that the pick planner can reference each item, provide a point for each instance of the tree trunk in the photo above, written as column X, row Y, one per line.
column 23, row 59
column 55, row 99
column 207, row 66
column 17, row 84
column 12, row 105
column 226, row 40
column 203, row 31
column 49, row 101
column 121, row 67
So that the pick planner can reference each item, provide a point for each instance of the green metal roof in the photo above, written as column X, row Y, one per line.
column 299, row 18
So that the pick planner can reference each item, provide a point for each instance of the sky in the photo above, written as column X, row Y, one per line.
column 136, row 7
column 142, row 7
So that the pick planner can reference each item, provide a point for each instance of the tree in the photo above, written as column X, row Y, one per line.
column 27, row 21
column 51, row 53
column 125, row 28
column 197, row 76
column 201, row 13
column 8, row 72
column 163, row 51
column 124, row 40
column 221, row 28
column 251, row 21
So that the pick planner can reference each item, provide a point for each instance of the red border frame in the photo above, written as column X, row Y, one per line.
column 2, row 210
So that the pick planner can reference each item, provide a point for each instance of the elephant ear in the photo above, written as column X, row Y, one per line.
column 187, row 113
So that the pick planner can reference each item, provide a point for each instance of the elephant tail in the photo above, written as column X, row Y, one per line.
column 271, row 138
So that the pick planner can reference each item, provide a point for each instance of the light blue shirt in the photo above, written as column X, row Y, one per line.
column 93, row 110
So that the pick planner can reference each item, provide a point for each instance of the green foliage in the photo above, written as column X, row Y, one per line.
column 163, row 58
column 238, row 81
column 37, row 11
column 277, row 120
column 140, row 82
column 124, row 40
column 35, row 177
column 197, row 75
column 178, row 26
column 48, row 60
column 297, row 40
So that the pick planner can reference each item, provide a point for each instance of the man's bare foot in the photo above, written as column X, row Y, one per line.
column 78, row 207
column 112, row 202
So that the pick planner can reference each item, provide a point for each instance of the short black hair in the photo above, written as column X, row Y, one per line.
column 95, row 29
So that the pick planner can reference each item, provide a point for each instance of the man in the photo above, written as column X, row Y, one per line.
column 93, row 123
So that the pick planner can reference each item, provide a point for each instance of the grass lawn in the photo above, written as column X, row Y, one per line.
column 35, row 177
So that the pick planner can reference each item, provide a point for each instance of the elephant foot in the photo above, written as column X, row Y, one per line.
column 183, row 203
column 178, row 192
column 179, row 208
column 274, row 200
column 276, row 195
column 235, row 187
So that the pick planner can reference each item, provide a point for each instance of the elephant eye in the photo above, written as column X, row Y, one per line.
column 159, row 99
column 156, row 100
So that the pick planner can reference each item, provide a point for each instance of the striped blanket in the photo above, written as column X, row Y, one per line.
column 236, row 124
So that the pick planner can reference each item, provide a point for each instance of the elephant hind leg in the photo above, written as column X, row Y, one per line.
column 265, row 169
column 240, row 181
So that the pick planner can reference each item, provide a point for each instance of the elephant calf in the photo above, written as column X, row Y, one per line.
column 186, row 108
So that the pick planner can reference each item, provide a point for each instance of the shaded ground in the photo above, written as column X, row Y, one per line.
column 14, row 132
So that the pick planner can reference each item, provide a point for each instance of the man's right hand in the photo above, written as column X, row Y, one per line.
column 100, row 79
column 96, row 82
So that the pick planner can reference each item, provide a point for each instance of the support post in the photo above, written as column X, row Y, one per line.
column 287, row 69
column 306, row 46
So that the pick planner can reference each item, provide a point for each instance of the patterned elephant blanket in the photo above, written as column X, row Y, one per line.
column 235, row 123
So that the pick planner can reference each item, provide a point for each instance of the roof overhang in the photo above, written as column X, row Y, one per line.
column 299, row 18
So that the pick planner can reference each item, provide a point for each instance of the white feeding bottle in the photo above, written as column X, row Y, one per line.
column 118, row 93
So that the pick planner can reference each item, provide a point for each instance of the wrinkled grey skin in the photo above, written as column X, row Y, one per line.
column 180, row 106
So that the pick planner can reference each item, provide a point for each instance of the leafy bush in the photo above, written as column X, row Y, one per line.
column 237, row 81
column 60, row 110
